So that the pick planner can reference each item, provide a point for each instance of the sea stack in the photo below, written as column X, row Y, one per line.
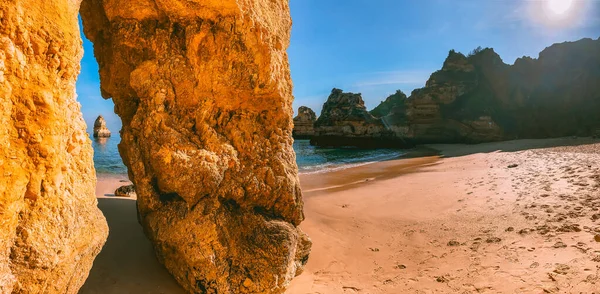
column 100, row 129
column 217, row 190
column 345, row 121
column 304, row 123
column 50, row 226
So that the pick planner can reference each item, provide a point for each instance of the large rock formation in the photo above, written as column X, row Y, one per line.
column 345, row 120
column 436, row 114
column 393, row 104
column 204, row 93
column 50, row 226
column 304, row 123
column 100, row 129
column 392, row 111
column 479, row 98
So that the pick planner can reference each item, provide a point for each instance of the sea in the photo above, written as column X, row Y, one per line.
column 310, row 159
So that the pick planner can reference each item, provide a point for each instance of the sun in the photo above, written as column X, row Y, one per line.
column 559, row 7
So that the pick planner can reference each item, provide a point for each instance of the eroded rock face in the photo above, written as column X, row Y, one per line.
column 304, row 123
column 204, row 93
column 100, row 129
column 50, row 226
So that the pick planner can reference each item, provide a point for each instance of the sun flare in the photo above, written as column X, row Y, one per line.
column 559, row 6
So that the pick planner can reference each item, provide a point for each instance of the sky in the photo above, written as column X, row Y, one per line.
column 376, row 47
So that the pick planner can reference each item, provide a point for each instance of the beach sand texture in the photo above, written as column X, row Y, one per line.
column 461, row 223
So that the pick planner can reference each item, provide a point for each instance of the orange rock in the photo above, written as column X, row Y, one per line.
column 100, row 129
column 204, row 93
column 50, row 226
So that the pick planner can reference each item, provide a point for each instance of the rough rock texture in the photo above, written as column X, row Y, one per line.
column 126, row 191
column 100, row 129
column 345, row 120
column 204, row 93
column 304, row 123
column 437, row 114
column 50, row 226
column 479, row 98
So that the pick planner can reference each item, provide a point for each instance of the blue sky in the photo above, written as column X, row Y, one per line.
column 378, row 46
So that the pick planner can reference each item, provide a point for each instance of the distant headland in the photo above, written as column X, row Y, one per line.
column 474, row 98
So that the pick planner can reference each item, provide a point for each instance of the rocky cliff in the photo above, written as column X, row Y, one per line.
column 304, row 123
column 455, row 106
column 345, row 120
column 204, row 93
column 50, row 226
column 479, row 98
column 394, row 104
column 100, row 129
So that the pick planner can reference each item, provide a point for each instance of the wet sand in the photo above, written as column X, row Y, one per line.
column 462, row 223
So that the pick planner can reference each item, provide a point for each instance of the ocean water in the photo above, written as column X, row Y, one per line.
column 310, row 159
column 107, row 159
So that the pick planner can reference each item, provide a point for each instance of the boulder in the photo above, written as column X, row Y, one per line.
column 50, row 226
column 100, row 129
column 304, row 123
column 204, row 93
column 126, row 191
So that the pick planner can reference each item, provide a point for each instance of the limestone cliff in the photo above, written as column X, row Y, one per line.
column 304, row 123
column 100, row 129
column 479, row 98
column 204, row 93
column 345, row 120
column 393, row 104
column 50, row 226
column 435, row 113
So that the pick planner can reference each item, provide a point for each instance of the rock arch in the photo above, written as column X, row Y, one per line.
column 204, row 93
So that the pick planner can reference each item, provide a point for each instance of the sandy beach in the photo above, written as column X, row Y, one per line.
column 510, row 217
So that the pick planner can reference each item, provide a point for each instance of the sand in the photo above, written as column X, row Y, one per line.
column 463, row 222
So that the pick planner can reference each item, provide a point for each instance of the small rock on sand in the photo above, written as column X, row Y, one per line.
column 453, row 243
column 513, row 165
column 493, row 240
column 126, row 191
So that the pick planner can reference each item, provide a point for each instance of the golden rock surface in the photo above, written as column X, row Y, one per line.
column 100, row 129
column 204, row 92
column 50, row 226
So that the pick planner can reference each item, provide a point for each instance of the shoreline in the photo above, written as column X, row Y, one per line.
column 460, row 221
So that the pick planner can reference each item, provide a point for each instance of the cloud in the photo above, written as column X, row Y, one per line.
column 401, row 77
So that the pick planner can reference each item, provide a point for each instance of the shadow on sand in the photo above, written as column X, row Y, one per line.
column 127, row 263
column 456, row 150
